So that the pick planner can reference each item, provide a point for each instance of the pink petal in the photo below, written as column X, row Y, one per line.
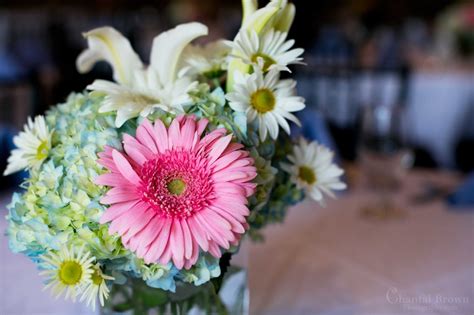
column 210, row 138
column 202, row 124
column 235, row 146
column 187, row 133
column 198, row 234
column 236, row 225
column 166, row 256
column 130, row 142
column 148, row 235
column 123, row 223
column 145, row 134
column 219, row 147
column 109, row 179
column 194, row 256
column 174, row 135
column 137, row 239
column 111, row 199
column 237, row 165
column 215, row 219
column 125, row 168
column 177, row 244
column 127, row 190
column 214, row 250
column 117, row 210
column 225, row 160
column 230, row 188
column 222, row 237
column 232, row 207
column 105, row 159
column 158, row 245
column 135, row 154
column 227, row 176
column 188, row 241
column 161, row 136
column 138, row 224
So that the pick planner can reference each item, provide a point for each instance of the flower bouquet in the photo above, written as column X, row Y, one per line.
column 141, row 190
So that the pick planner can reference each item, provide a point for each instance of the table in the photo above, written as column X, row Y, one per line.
column 329, row 261
column 333, row 261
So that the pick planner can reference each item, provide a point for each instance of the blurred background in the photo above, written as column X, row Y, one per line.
column 414, row 55
column 389, row 85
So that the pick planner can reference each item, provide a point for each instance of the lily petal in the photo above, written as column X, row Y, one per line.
column 258, row 21
column 248, row 8
column 168, row 46
column 107, row 44
column 261, row 18
column 285, row 19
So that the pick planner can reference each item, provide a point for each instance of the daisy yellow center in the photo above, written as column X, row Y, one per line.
column 176, row 186
column 267, row 60
column 263, row 100
column 42, row 151
column 70, row 272
column 96, row 277
column 307, row 174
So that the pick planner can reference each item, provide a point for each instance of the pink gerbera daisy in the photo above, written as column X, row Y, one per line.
column 176, row 192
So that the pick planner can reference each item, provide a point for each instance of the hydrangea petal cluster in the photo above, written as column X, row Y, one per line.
column 177, row 191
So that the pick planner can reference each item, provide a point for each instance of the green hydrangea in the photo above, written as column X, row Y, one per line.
column 60, row 203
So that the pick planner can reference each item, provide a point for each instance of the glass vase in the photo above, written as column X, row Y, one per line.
column 224, row 295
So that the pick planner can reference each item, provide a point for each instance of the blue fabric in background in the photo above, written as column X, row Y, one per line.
column 463, row 197
column 313, row 127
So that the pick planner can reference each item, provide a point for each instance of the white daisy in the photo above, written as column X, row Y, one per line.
column 67, row 271
column 313, row 170
column 97, row 287
column 208, row 60
column 33, row 146
column 267, row 100
column 266, row 51
column 140, row 89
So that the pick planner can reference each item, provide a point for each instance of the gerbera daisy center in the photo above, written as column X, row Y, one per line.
column 267, row 60
column 176, row 186
column 307, row 174
column 176, row 183
column 263, row 100
column 70, row 272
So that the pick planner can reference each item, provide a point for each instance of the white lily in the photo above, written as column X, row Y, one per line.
column 139, row 89
column 107, row 44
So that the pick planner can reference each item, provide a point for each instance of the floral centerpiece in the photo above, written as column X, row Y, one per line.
column 144, row 187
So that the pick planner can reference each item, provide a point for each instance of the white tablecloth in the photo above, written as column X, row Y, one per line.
column 328, row 261
column 333, row 261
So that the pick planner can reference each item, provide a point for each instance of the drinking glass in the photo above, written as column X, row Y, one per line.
column 384, row 157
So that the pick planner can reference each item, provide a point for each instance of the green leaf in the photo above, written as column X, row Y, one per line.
column 123, row 307
column 154, row 298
